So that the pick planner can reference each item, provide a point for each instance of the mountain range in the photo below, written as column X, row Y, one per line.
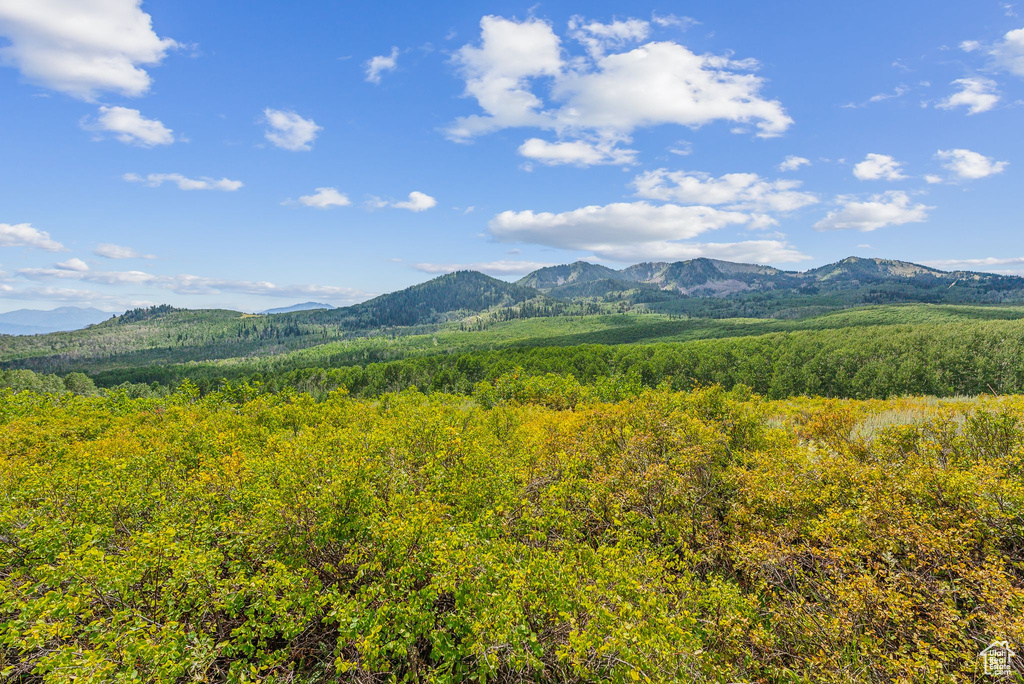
column 716, row 278
column 696, row 289
column 708, row 288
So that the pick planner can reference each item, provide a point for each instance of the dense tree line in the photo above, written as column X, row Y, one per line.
column 972, row 358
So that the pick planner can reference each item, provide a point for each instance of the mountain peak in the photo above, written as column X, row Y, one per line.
column 578, row 272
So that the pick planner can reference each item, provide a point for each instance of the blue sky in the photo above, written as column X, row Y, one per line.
column 252, row 154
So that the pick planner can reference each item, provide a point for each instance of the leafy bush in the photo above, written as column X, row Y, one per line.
column 536, row 533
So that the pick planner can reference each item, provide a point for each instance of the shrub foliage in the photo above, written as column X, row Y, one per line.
column 535, row 532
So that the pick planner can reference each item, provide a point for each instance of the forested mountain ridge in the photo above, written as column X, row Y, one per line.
column 715, row 289
column 437, row 300
column 716, row 278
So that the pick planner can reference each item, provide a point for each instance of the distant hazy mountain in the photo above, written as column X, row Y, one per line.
column 304, row 306
column 37, row 321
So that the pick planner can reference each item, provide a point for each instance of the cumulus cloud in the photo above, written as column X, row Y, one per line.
column 155, row 180
column 73, row 264
column 1009, row 52
column 24, row 235
column 747, row 251
column 377, row 66
column 502, row 267
column 193, row 284
column 130, row 127
column 108, row 250
column 611, row 223
column 741, row 191
column 637, row 231
column 289, row 131
column 604, row 95
column 976, row 93
column 325, row 198
column 792, row 163
column 665, row 83
column 81, row 47
column 417, row 202
column 893, row 208
column 576, row 153
column 970, row 165
column 878, row 167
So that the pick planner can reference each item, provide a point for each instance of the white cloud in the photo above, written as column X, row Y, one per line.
column 976, row 93
column 666, row 20
column 290, row 131
column 878, row 167
column 664, row 83
column 1009, row 52
column 87, row 297
column 932, row 179
column 112, row 251
column 792, row 163
column 577, row 153
column 73, row 264
column 1007, row 265
column 968, row 164
column 742, row 191
column 683, row 148
column 376, row 66
column 1015, row 264
column 597, row 38
column 497, row 73
column 898, row 91
column 325, row 198
column 637, row 231
column 593, row 226
column 747, row 251
column 418, row 201
column 82, row 47
column 500, row 267
column 24, row 235
column 155, row 180
column 603, row 97
column 893, row 208
column 130, row 127
column 192, row 284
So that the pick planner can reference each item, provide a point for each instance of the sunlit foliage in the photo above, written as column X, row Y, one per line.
column 538, row 530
